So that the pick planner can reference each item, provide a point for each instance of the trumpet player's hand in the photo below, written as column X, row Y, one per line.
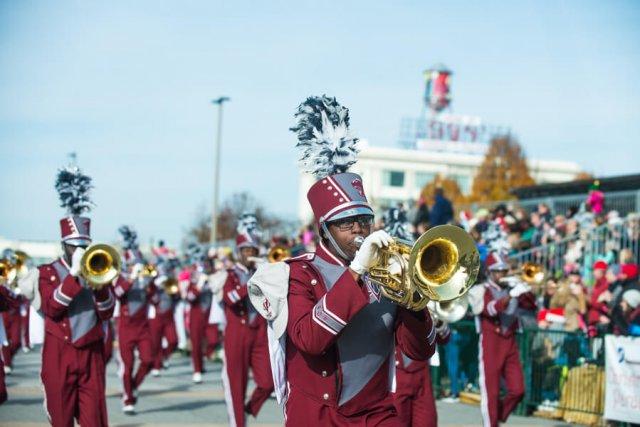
column 161, row 279
column 367, row 255
column 76, row 259
column 395, row 266
column 519, row 289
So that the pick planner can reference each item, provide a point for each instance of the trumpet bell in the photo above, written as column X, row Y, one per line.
column 532, row 273
column 444, row 263
column 278, row 253
column 8, row 272
column 171, row 286
column 450, row 311
column 100, row 264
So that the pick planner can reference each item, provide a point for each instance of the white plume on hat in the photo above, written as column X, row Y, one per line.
column 73, row 189
column 324, row 137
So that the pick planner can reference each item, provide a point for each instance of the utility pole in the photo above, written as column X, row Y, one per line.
column 216, row 183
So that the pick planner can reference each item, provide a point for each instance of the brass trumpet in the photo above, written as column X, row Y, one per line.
column 170, row 286
column 532, row 273
column 150, row 270
column 100, row 264
column 8, row 272
column 440, row 266
column 278, row 253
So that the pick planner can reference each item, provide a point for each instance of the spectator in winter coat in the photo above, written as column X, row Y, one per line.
column 630, row 308
column 442, row 211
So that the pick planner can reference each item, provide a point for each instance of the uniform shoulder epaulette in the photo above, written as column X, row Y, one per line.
column 309, row 256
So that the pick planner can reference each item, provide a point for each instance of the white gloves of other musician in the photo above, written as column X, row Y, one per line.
column 519, row 289
column 75, row 262
column 202, row 281
column 368, row 252
column 136, row 270
column 257, row 260
column 161, row 279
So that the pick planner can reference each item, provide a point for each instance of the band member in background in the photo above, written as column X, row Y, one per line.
column 498, row 304
column 8, row 301
column 73, row 371
column 331, row 338
column 161, row 320
column 12, row 326
column 245, row 343
column 414, row 398
column 134, row 294
column 200, row 298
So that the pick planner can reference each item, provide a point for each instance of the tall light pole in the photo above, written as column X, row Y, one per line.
column 216, row 183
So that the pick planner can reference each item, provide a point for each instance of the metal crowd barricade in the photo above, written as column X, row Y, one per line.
column 563, row 372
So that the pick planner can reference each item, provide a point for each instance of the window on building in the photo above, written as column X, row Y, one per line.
column 423, row 178
column 393, row 178
column 464, row 183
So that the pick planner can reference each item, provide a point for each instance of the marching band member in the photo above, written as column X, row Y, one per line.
column 414, row 398
column 498, row 305
column 332, row 333
column 134, row 295
column 200, row 297
column 161, row 322
column 245, row 335
column 73, row 371
column 11, row 319
column 8, row 301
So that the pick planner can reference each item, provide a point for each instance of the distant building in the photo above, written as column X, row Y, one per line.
column 394, row 175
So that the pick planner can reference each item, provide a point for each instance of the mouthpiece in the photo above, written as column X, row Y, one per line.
column 358, row 241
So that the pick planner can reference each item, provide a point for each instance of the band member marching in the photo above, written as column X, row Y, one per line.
column 8, row 301
column 414, row 398
column 134, row 294
column 498, row 305
column 11, row 317
column 332, row 333
column 73, row 371
column 161, row 313
column 245, row 343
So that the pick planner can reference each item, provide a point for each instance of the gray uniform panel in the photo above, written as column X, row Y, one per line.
column 368, row 339
column 508, row 316
column 136, row 297
column 244, row 277
column 81, row 312
column 166, row 301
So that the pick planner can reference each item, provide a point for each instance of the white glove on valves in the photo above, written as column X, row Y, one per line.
column 368, row 252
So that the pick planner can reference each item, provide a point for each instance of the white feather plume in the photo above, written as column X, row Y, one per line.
column 324, row 137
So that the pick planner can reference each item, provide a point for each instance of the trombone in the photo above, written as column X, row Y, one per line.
column 100, row 264
column 440, row 266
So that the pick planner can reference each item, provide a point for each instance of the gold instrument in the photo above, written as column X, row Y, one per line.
column 100, row 264
column 532, row 273
column 150, row 270
column 8, row 272
column 440, row 266
column 22, row 261
column 171, row 286
column 278, row 253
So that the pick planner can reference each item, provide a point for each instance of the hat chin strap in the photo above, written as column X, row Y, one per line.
column 334, row 244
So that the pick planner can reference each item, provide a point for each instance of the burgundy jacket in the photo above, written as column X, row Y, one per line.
column 238, row 310
column 134, row 298
column 341, row 335
column 73, row 313
column 406, row 364
column 8, row 300
column 500, row 313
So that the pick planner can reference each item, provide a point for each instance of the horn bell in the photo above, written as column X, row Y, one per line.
column 100, row 264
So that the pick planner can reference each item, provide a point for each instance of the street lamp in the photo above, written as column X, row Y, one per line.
column 214, row 211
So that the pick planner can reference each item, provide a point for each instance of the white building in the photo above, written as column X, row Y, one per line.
column 396, row 175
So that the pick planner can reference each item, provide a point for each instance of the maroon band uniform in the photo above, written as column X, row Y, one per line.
column 414, row 398
column 8, row 301
column 245, row 346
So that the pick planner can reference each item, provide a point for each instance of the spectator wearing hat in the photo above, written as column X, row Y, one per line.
column 442, row 211
column 627, row 280
column 598, row 317
column 630, row 308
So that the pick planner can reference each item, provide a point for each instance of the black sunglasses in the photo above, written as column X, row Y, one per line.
column 347, row 224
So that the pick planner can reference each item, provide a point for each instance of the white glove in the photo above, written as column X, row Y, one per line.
column 395, row 266
column 75, row 261
column 202, row 281
column 136, row 270
column 257, row 260
column 519, row 289
column 161, row 279
column 368, row 252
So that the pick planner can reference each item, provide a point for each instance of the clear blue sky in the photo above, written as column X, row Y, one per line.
column 127, row 86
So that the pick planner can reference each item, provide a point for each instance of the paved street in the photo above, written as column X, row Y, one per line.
column 172, row 400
